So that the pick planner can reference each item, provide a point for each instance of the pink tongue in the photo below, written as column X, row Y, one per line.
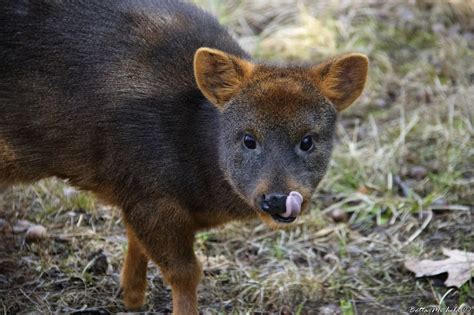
column 293, row 205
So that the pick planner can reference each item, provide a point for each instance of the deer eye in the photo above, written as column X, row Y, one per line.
column 250, row 142
column 306, row 144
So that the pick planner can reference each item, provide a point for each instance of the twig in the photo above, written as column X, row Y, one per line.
column 423, row 226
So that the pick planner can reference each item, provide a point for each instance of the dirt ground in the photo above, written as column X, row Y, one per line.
column 400, row 185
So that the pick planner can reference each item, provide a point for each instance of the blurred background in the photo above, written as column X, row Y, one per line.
column 400, row 185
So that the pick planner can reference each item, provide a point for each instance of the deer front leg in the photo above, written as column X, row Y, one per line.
column 167, row 237
column 184, row 275
column 133, row 277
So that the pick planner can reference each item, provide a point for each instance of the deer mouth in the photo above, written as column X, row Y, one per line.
column 283, row 209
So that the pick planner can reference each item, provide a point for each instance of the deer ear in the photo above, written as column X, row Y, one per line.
column 342, row 79
column 219, row 75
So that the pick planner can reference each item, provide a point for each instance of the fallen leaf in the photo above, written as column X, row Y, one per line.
column 459, row 266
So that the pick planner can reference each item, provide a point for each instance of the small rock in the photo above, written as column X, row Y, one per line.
column 418, row 172
column 339, row 215
column 5, row 227
column 36, row 233
column 330, row 309
column 21, row 226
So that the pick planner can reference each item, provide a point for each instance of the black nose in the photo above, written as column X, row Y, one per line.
column 274, row 203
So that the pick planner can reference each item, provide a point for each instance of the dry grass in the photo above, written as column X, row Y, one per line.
column 414, row 124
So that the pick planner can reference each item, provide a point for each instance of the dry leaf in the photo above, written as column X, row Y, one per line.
column 459, row 266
